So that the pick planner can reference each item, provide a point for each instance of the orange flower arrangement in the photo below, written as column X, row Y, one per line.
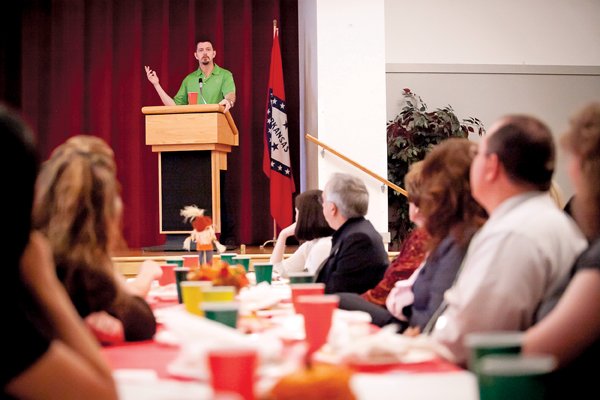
column 220, row 273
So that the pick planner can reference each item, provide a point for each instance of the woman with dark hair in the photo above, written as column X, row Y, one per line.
column 452, row 217
column 571, row 331
column 53, row 356
column 311, row 229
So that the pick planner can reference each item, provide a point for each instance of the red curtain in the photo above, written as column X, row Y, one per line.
column 81, row 70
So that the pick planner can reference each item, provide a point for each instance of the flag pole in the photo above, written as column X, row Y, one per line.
column 274, row 240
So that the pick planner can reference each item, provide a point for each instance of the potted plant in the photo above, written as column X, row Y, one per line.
column 410, row 136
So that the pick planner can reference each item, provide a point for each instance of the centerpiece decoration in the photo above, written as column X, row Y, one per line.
column 220, row 273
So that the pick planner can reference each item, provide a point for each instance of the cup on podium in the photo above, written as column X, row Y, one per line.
column 192, row 97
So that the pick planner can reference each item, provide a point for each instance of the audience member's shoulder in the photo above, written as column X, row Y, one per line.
column 590, row 258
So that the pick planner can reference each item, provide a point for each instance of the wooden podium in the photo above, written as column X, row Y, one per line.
column 192, row 142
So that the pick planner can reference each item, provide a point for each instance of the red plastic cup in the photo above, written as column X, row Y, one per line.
column 317, row 311
column 191, row 261
column 300, row 289
column 233, row 371
column 192, row 97
column 168, row 275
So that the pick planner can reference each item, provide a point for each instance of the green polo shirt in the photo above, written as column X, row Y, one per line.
column 214, row 88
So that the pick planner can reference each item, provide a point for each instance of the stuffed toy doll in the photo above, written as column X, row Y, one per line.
column 203, row 234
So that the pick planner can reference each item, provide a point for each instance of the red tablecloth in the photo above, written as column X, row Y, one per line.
column 155, row 356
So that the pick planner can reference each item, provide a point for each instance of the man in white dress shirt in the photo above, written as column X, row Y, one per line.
column 520, row 259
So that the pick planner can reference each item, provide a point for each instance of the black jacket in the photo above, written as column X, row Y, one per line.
column 358, row 258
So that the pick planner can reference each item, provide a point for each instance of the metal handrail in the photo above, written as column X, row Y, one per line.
column 357, row 165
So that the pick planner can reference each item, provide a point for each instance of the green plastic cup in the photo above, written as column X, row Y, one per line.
column 263, row 272
column 228, row 257
column 225, row 312
column 481, row 344
column 180, row 276
column 178, row 261
column 301, row 277
column 514, row 376
column 243, row 260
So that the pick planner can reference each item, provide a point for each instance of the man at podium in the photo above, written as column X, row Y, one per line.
column 209, row 84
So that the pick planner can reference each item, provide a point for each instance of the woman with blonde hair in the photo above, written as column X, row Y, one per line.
column 78, row 207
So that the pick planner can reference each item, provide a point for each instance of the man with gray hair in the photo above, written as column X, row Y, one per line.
column 358, row 258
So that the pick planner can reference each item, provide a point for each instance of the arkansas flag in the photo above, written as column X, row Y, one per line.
column 276, row 157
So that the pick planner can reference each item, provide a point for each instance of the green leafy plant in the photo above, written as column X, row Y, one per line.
column 410, row 136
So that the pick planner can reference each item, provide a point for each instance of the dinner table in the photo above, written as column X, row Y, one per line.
column 146, row 369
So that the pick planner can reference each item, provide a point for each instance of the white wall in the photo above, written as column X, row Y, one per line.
column 491, row 58
column 532, row 32
column 485, row 58
column 342, row 52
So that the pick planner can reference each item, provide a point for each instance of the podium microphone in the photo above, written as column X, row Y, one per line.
column 200, row 84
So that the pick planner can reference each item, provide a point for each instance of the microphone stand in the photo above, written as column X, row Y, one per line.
column 200, row 84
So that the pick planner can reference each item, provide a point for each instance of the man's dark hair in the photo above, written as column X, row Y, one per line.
column 202, row 40
column 525, row 147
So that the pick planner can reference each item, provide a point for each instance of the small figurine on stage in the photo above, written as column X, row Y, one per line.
column 203, row 235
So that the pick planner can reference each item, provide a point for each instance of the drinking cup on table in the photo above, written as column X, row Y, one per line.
column 300, row 289
column 317, row 311
column 168, row 275
column 225, row 312
column 192, row 97
column 191, row 261
column 514, row 376
column 301, row 277
column 178, row 261
column 228, row 257
column 263, row 272
column 233, row 370
column 192, row 295
column 481, row 344
column 180, row 276
column 243, row 260
column 219, row 293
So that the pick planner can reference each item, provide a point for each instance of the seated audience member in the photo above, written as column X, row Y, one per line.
column 451, row 217
column 358, row 258
column 54, row 356
column 311, row 230
column 521, row 256
column 571, row 331
column 414, row 248
column 78, row 208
